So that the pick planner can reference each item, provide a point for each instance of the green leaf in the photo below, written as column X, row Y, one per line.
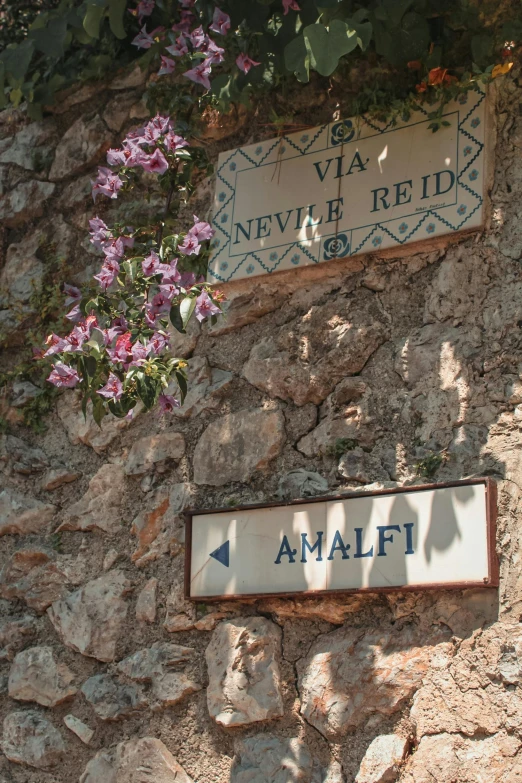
column 51, row 39
column 297, row 59
column 327, row 46
column 130, row 267
column 186, row 309
column 3, row 98
column 182, row 383
column 116, row 14
column 176, row 319
column 482, row 49
column 16, row 58
column 90, row 365
column 147, row 391
column 98, row 409
column 92, row 20
column 364, row 31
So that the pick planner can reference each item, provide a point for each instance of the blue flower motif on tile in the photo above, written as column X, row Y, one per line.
column 467, row 151
column 233, row 166
column 430, row 228
column 376, row 241
column 215, row 243
column 250, row 268
column 224, row 266
column 342, row 131
column 282, row 149
column 295, row 259
column 336, row 247
column 462, row 209
column 403, row 228
column 463, row 98
column 222, row 196
column 473, row 174
column 475, row 122
column 258, row 150
column 305, row 138
column 224, row 217
column 273, row 256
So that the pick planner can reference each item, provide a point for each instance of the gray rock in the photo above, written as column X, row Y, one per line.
column 110, row 699
column 278, row 365
column 91, row 619
column 24, row 392
column 301, row 483
column 205, row 386
column 33, row 577
column 332, row 429
column 25, row 202
column 156, row 665
column 243, row 669
column 19, row 457
column 146, row 603
column 100, row 508
column 238, row 444
column 30, row 145
column 31, row 739
column 78, row 727
column 117, row 111
column 15, row 635
column 54, row 479
column 159, row 528
column 265, row 758
column 85, row 430
column 353, row 466
column 35, row 676
column 80, row 146
column 351, row 674
column 22, row 514
column 383, row 759
column 459, row 286
column 183, row 345
column 154, row 450
column 135, row 761
column 133, row 78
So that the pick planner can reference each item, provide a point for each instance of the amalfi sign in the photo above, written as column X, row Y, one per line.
column 418, row 538
column 350, row 187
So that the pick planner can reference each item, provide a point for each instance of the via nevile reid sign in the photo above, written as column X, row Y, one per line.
column 347, row 188
column 429, row 537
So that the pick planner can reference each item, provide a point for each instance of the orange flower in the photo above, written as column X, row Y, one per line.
column 422, row 87
column 415, row 65
column 439, row 76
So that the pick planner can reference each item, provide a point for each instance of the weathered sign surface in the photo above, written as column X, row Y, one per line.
column 424, row 537
column 351, row 187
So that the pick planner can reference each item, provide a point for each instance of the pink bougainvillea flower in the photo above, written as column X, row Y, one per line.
column 187, row 3
column 158, row 342
column 156, row 163
column 290, row 5
column 144, row 8
column 200, row 74
column 158, row 126
column 220, row 22
column 174, row 142
column 167, row 403
column 121, row 351
column 74, row 314
column 151, row 264
column 99, row 232
column 215, row 54
column 245, row 63
column 178, row 48
column 170, row 272
column 113, row 249
column 143, row 40
column 198, row 38
column 201, row 230
column 160, row 304
column 113, row 389
column 205, row 307
column 185, row 22
column 116, row 157
column 63, row 376
column 167, row 66
column 107, row 273
column 73, row 294
column 107, row 183
column 139, row 354
column 187, row 280
column 190, row 246
column 169, row 290
column 56, row 345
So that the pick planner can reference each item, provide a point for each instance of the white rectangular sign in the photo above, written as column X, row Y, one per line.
column 351, row 187
column 424, row 537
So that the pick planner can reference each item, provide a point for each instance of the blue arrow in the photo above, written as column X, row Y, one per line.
column 222, row 554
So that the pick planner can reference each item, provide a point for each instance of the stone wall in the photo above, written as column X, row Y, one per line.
column 107, row 674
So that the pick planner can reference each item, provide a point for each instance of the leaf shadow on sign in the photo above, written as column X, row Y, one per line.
column 401, row 513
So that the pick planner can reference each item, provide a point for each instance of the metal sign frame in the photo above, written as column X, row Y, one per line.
column 492, row 580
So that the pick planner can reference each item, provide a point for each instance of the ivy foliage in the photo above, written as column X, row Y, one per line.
column 383, row 39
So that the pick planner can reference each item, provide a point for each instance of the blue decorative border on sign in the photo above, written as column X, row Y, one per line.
column 224, row 267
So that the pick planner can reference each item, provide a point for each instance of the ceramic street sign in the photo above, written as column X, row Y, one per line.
column 351, row 187
column 419, row 538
